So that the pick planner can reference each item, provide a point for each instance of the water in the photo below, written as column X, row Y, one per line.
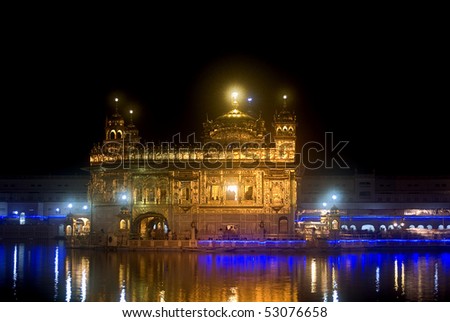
column 50, row 272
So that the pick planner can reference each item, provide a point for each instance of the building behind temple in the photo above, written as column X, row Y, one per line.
column 376, row 203
column 44, row 206
column 238, row 181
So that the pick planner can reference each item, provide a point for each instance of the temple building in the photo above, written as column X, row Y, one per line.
column 238, row 181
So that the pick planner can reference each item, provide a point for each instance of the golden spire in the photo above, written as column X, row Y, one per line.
column 117, row 108
column 234, row 101
column 284, row 101
column 131, row 117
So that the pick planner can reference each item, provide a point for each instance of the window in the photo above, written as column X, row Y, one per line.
column 335, row 225
column 163, row 195
column 22, row 218
column 151, row 195
column 231, row 193
column 138, row 192
column 214, row 192
column 248, row 195
column 283, row 225
column 187, row 193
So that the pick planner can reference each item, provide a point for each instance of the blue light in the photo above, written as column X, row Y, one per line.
column 382, row 217
column 249, row 243
column 35, row 216
column 57, row 216
column 390, row 241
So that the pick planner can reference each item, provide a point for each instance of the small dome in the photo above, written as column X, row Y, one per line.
column 115, row 120
column 285, row 116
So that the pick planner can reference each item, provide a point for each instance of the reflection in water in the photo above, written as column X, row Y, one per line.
column 15, row 270
column 377, row 279
column 55, row 298
column 68, row 287
column 18, row 267
column 400, row 287
column 436, row 280
column 313, row 276
column 77, row 278
column 403, row 278
column 335, row 284
column 122, row 295
column 84, row 275
column 396, row 275
column 83, row 279
column 233, row 297
column 161, row 296
column 122, row 283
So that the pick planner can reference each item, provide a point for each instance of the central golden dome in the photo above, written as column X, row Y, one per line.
column 235, row 115
column 234, row 126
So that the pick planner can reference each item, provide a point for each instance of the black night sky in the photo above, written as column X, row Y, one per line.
column 378, row 82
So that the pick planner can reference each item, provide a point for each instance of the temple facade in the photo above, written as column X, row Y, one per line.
column 237, row 181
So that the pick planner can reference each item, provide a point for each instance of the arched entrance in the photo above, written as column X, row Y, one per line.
column 151, row 225
column 76, row 225
column 283, row 225
column 368, row 227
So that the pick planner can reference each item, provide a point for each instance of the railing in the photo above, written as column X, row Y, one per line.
column 162, row 244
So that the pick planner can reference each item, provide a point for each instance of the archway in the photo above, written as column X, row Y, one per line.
column 283, row 225
column 151, row 225
column 334, row 225
column 83, row 226
column 123, row 224
column 368, row 227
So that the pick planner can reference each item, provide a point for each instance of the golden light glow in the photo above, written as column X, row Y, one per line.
column 235, row 92
column 284, row 97
column 313, row 276
column 131, row 111
column 234, row 96
column 116, row 99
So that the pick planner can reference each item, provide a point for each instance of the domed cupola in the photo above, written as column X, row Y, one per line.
column 132, row 133
column 115, row 126
column 285, row 127
column 284, row 121
column 234, row 126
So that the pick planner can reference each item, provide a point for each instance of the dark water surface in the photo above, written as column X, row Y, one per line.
column 50, row 272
